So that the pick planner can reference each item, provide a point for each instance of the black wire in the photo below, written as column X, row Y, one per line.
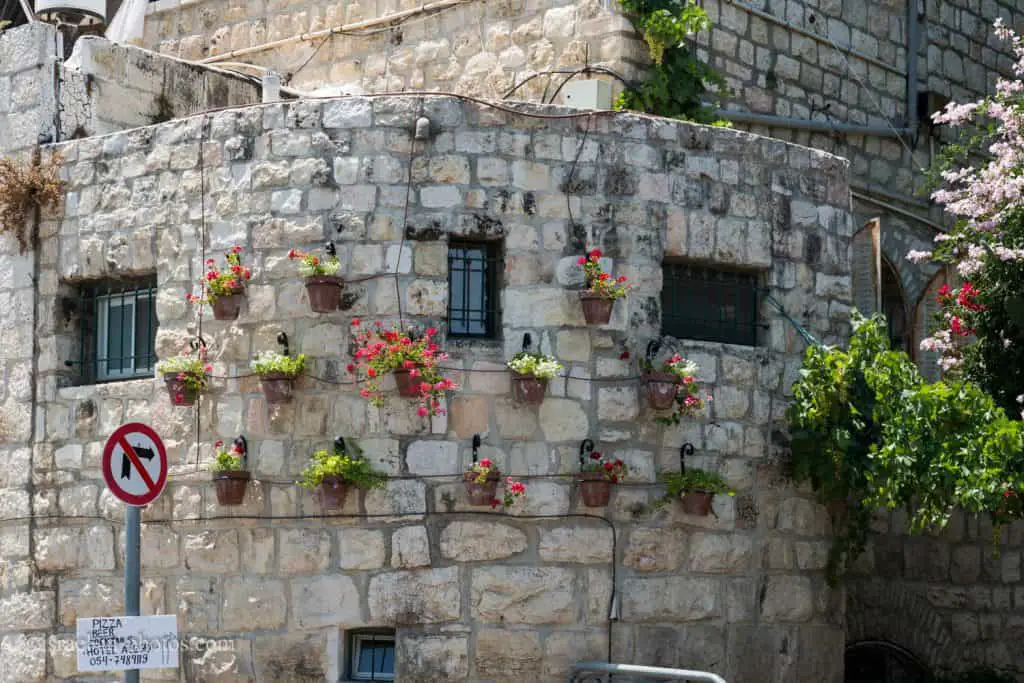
column 313, row 54
column 586, row 69
column 568, row 188
column 405, row 214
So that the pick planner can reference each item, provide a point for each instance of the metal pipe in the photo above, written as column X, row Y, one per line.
column 879, row 192
column 824, row 40
column 659, row 672
column 343, row 28
column 913, row 43
column 132, row 527
column 27, row 9
column 813, row 125
column 895, row 209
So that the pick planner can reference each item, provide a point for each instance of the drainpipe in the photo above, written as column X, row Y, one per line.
column 913, row 44
column 812, row 125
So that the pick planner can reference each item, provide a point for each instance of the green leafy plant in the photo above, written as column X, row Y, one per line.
column 599, row 282
column 535, row 364
column 219, row 282
column 311, row 264
column 227, row 460
column 678, row 83
column 480, row 472
column 692, row 480
column 192, row 370
column 613, row 469
column 868, row 432
column 274, row 362
column 347, row 464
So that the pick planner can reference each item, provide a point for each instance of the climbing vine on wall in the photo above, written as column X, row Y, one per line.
column 677, row 83
column 24, row 184
column 869, row 433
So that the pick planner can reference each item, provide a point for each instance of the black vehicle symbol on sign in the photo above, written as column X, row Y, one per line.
column 126, row 464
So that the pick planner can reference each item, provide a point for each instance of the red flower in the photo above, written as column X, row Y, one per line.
column 608, row 466
column 370, row 372
column 943, row 292
column 292, row 253
column 581, row 260
column 604, row 276
column 494, row 503
column 422, row 411
column 486, row 462
column 218, row 444
column 236, row 249
column 408, row 364
column 621, row 279
column 595, row 455
column 624, row 355
column 431, row 331
column 350, row 367
column 595, row 254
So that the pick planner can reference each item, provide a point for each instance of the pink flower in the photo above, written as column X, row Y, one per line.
column 431, row 331
column 207, row 368
column 581, row 261
column 408, row 364
column 486, row 462
column 218, row 444
column 422, row 411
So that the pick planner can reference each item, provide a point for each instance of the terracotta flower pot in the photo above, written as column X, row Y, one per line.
column 597, row 310
column 228, row 307
column 408, row 386
column 331, row 492
column 529, row 390
column 595, row 489
column 277, row 387
column 231, row 486
column 662, row 388
column 180, row 392
column 697, row 503
column 482, row 494
column 324, row 292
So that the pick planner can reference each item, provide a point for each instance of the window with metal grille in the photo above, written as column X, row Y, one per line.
column 117, row 330
column 709, row 304
column 473, row 295
column 372, row 656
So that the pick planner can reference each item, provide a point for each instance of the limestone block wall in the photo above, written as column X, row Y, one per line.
column 27, row 109
column 474, row 594
column 474, row 48
column 953, row 599
column 107, row 87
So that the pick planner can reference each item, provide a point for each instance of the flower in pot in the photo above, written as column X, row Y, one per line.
column 330, row 474
column 185, row 376
column 597, row 474
column 229, row 473
column 224, row 288
column 602, row 289
column 531, row 372
column 413, row 358
column 695, row 488
column 323, row 284
column 482, row 485
column 669, row 383
column 277, row 374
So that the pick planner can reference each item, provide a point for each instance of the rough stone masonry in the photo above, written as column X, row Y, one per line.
column 473, row 595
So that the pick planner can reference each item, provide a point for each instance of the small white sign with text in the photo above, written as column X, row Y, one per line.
column 120, row 643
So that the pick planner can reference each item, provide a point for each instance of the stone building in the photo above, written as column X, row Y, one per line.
column 465, row 593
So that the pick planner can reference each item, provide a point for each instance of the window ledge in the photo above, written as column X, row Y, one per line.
column 474, row 348
column 141, row 387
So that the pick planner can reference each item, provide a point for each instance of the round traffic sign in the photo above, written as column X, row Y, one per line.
column 135, row 464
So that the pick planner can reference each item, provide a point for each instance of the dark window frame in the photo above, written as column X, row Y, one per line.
column 355, row 643
column 463, row 315
column 730, row 299
column 94, row 303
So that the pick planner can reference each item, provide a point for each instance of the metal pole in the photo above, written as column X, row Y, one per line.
column 132, row 532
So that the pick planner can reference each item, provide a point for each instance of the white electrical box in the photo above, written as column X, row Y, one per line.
column 588, row 93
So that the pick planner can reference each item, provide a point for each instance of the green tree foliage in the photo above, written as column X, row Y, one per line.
column 868, row 432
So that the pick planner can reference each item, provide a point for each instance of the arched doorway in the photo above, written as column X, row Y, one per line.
column 894, row 307
column 877, row 287
column 876, row 661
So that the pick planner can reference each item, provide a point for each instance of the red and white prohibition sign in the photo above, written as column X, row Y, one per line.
column 135, row 464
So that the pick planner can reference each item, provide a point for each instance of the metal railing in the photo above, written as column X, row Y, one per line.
column 593, row 672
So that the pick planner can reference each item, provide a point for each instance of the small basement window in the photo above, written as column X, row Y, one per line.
column 474, row 269
column 117, row 330
column 710, row 304
column 372, row 655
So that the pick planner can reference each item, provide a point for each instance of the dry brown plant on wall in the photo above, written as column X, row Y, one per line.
column 24, row 184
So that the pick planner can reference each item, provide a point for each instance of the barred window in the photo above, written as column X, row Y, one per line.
column 372, row 656
column 473, row 295
column 117, row 330
column 709, row 304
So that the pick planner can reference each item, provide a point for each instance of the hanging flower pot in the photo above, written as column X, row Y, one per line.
column 231, row 485
column 482, row 492
column 595, row 489
column 228, row 306
column 662, row 388
column 277, row 374
column 332, row 491
column 182, row 392
column 597, row 310
column 277, row 387
column 324, row 292
column 697, row 503
column 408, row 386
column 529, row 390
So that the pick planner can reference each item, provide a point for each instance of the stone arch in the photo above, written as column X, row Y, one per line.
column 893, row 612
